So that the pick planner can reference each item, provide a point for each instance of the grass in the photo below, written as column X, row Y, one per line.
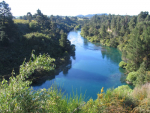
column 16, row 21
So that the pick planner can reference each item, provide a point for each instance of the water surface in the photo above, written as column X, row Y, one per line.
column 93, row 67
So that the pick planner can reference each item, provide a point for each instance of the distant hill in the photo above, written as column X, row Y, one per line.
column 90, row 15
column 81, row 16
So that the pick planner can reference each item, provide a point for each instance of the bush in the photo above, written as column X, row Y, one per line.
column 142, row 92
column 77, row 27
column 33, row 25
column 42, row 63
column 122, row 64
column 123, row 90
column 18, row 97
column 131, row 77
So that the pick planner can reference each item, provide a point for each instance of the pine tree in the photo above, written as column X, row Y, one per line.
column 146, row 39
column 6, row 23
column 134, row 51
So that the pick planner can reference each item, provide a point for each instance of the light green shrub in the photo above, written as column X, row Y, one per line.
column 122, row 64
column 16, row 96
column 123, row 90
column 131, row 76
column 33, row 25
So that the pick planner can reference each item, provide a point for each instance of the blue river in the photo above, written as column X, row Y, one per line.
column 94, row 66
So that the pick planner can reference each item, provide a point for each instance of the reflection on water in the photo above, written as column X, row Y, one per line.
column 64, row 68
column 92, row 67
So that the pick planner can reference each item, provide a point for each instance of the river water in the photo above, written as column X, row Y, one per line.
column 94, row 66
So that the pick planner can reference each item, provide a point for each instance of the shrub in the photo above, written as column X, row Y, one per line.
column 33, row 25
column 77, row 27
column 131, row 77
column 122, row 64
column 16, row 96
column 123, row 90
column 40, row 64
column 142, row 92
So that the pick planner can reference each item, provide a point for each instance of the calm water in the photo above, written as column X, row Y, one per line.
column 93, row 67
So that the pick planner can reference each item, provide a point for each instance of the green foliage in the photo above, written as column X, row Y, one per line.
column 40, row 34
column 77, row 27
column 4, row 41
column 62, row 40
column 40, row 63
column 122, row 64
column 130, row 34
column 123, row 90
column 17, row 96
column 140, row 77
column 29, row 16
column 19, row 21
column 6, row 24
column 108, row 102
column 142, row 95
column 132, row 76
column 93, row 38
column 33, row 25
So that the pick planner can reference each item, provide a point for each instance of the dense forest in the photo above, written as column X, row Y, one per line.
column 32, row 46
column 38, row 32
column 130, row 34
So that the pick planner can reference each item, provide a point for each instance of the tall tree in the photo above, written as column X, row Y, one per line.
column 5, row 13
column 29, row 16
column 135, row 51
column 6, row 22
column 142, row 16
column 64, row 42
column 39, row 12
column 113, row 23
column 146, row 38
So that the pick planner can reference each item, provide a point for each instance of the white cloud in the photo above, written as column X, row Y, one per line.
column 75, row 7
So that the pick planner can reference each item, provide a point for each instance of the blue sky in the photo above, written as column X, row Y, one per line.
column 76, row 7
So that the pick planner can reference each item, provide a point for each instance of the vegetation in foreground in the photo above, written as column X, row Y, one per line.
column 17, row 95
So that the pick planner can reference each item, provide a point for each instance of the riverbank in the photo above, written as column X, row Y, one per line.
column 24, row 99
column 92, row 67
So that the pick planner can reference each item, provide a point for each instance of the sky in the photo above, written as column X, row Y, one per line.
column 76, row 7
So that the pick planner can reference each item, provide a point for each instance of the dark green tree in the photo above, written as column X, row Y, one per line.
column 142, row 16
column 113, row 23
column 39, row 12
column 146, row 38
column 64, row 42
column 135, row 51
column 132, row 23
column 29, row 16
column 6, row 23
column 103, row 32
column 5, row 13
column 147, row 18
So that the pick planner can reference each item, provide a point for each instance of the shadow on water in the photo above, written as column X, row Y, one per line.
column 111, row 54
column 90, row 68
column 107, row 52
column 63, row 68
column 85, row 43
